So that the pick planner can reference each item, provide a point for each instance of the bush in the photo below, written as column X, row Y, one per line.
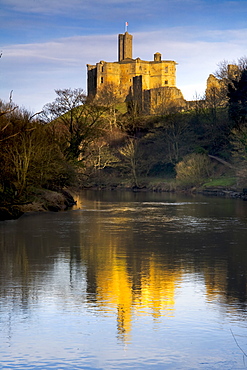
column 193, row 169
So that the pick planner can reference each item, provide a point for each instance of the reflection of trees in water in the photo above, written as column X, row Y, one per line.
column 222, row 259
column 29, row 250
column 214, row 250
column 124, row 261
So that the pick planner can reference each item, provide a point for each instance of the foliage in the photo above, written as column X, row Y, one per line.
column 176, row 132
column 30, row 155
column 237, row 93
column 239, row 143
column 99, row 139
column 193, row 169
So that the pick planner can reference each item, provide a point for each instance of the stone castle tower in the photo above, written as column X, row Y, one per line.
column 145, row 81
column 124, row 46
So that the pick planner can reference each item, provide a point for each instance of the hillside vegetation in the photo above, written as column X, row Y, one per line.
column 77, row 142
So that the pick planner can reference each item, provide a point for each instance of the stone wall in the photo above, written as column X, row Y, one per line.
column 154, row 74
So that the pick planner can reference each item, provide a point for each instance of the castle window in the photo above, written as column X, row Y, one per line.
column 102, row 79
column 166, row 82
column 166, row 69
column 102, row 69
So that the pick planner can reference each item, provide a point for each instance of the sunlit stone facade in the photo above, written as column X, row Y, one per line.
column 156, row 74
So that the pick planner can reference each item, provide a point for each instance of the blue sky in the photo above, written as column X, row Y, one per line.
column 46, row 44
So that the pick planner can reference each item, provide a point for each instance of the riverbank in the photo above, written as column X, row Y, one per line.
column 41, row 201
column 213, row 191
column 54, row 201
column 229, row 187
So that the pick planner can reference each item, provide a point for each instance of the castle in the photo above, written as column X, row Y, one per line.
column 150, row 84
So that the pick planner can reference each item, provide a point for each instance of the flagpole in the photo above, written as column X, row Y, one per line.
column 126, row 26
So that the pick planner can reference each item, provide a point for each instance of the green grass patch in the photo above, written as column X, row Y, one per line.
column 222, row 182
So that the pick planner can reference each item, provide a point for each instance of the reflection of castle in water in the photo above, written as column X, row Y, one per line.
column 153, row 295
column 129, row 285
column 102, row 260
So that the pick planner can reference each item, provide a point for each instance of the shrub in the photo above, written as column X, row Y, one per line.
column 193, row 169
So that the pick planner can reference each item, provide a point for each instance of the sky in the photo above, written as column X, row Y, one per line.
column 46, row 44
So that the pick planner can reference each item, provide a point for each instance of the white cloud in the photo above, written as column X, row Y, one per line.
column 61, row 5
column 104, row 11
column 197, row 54
column 33, row 71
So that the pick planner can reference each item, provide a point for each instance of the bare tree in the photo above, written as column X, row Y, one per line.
column 6, row 112
column 29, row 153
column 108, row 97
column 228, row 71
column 77, row 121
column 130, row 156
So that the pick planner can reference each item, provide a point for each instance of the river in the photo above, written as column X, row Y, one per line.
column 126, row 281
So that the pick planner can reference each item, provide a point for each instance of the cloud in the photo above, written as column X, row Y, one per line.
column 197, row 54
column 139, row 12
column 63, row 5
column 35, row 70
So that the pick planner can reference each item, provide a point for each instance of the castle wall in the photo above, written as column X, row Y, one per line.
column 91, row 80
column 122, row 74
column 138, row 92
column 161, row 100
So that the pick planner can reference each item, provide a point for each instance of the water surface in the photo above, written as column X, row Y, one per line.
column 126, row 281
